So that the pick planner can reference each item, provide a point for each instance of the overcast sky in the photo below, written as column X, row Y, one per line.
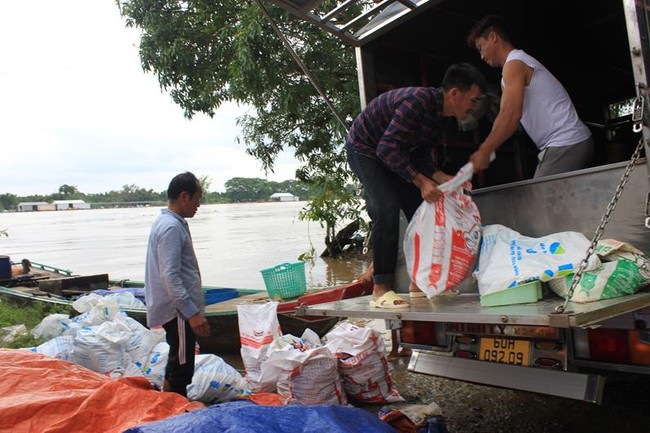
column 77, row 109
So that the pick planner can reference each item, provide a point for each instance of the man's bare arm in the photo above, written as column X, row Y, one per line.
column 515, row 76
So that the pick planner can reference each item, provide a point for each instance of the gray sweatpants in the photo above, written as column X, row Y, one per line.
column 554, row 160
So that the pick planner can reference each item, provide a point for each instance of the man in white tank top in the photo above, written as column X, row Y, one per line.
column 533, row 96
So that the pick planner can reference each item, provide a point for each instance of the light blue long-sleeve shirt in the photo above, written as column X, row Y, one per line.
column 172, row 276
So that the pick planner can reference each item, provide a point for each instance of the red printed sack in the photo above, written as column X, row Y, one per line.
column 442, row 240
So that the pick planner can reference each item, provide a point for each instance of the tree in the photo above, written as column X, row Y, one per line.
column 68, row 190
column 243, row 189
column 205, row 182
column 205, row 53
column 8, row 201
column 295, row 187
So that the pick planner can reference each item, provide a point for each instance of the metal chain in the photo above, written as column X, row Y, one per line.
column 366, row 243
column 603, row 222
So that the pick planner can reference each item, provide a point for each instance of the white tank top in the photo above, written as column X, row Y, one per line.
column 549, row 117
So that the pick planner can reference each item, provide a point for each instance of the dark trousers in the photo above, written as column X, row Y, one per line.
column 180, row 365
column 386, row 193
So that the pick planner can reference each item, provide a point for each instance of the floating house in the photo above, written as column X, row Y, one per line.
column 284, row 196
column 70, row 204
column 33, row 206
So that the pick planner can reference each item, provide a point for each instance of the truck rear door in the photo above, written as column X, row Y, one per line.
column 356, row 22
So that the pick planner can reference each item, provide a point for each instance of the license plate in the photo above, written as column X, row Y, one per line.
column 505, row 351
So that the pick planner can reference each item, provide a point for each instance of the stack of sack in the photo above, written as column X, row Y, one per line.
column 350, row 362
column 623, row 271
column 509, row 260
column 105, row 340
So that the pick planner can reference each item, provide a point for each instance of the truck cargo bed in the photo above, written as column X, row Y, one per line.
column 466, row 308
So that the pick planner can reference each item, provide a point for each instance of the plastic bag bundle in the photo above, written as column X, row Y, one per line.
column 363, row 364
column 141, row 340
column 100, row 349
column 624, row 270
column 8, row 334
column 58, row 347
column 97, row 309
column 113, row 345
column 154, row 366
column 126, row 300
column 258, row 327
column 442, row 240
column 509, row 259
column 118, row 347
column 214, row 381
column 52, row 326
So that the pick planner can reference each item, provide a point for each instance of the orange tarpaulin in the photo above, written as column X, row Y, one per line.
column 46, row 395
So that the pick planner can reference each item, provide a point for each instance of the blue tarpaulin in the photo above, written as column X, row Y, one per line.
column 248, row 417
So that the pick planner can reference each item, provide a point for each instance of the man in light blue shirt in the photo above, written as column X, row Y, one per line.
column 173, row 291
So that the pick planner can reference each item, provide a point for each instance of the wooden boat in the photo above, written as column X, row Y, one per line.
column 51, row 286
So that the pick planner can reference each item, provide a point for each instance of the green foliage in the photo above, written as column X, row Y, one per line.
column 246, row 189
column 68, row 190
column 8, row 201
column 335, row 203
column 242, row 189
column 238, row 189
column 215, row 197
column 30, row 316
column 205, row 53
column 205, row 182
column 308, row 255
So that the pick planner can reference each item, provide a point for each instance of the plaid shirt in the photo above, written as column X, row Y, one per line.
column 401, row 128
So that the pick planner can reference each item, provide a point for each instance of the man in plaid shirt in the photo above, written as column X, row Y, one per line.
column 390, row 148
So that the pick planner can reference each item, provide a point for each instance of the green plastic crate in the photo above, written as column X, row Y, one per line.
column 522, row 294
column 285, row 281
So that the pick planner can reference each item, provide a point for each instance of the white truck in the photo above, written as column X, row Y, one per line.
column 600, row 51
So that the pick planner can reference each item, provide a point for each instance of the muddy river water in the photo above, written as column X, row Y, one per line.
column 233, row 242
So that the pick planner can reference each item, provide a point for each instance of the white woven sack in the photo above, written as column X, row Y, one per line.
column 508, row 259
column 258, row 327
column 363, row 364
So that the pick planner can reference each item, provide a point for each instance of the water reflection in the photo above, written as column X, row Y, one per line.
column 343, row 270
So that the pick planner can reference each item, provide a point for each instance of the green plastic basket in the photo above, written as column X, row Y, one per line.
column 285, row 281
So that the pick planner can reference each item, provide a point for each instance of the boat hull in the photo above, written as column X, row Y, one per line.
column 222, row 317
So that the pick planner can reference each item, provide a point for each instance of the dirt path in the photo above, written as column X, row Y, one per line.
column 472, row 408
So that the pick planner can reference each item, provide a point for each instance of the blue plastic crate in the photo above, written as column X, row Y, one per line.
column 213, row 296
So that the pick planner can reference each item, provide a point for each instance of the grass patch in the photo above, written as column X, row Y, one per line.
column 28, row 315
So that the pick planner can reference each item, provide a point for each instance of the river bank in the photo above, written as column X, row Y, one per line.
column 470, row 408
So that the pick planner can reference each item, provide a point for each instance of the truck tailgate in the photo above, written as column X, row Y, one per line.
column 466, row 308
